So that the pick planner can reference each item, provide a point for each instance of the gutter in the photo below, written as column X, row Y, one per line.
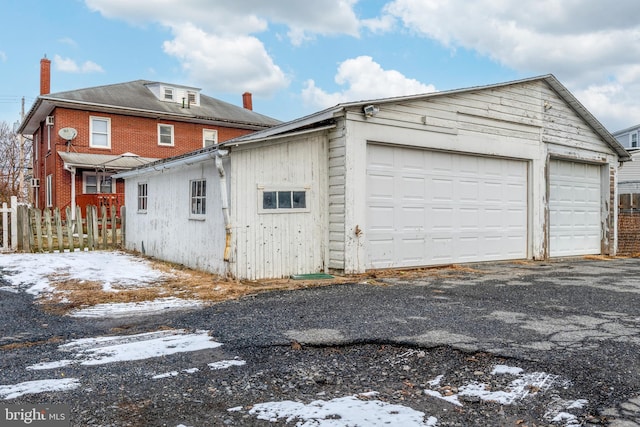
column 225, row 203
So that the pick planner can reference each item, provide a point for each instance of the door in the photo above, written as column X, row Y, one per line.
column 574, row 208
column 427, row 207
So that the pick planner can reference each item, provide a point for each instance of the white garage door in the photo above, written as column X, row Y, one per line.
column 574, row 208
column 427, row 208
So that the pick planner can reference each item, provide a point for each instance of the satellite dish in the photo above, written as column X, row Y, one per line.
column 68, row 133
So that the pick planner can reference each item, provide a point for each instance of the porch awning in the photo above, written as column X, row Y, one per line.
column 103, row 162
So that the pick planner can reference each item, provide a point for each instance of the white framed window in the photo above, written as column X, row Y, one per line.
column 209, row 137
column 49, row 191
column 191, row 98
column 165, row 135
column 634, row 140
column 282, row 199
column 100, row 131
column 198, row 197
column 97, row 183
column 168, row 94
column 142, row 197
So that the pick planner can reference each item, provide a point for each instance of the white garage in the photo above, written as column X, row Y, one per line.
column 428, row 207
column 575, row 203
column 515, row 170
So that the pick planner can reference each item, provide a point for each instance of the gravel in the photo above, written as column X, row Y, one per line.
column 368, row 340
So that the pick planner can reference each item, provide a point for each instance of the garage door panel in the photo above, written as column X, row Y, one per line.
column 459, row 207
column 574, row 208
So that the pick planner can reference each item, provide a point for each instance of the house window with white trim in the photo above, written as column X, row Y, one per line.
column 49, row 191
column 282, row 200
column 142, row 197
column 209, row 137
column 168, row 94
column 96, row 183
column 634, row 140
column 198, row 195
column 165, row 135
column 100, row 132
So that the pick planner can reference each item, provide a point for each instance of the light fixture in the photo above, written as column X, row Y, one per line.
column 370, row 110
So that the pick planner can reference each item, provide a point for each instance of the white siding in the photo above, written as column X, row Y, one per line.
column 165, row 230
column 630, row 171
column 271, row 245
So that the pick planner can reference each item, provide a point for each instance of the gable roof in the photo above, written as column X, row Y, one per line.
column 321, row 118
column 135, row 98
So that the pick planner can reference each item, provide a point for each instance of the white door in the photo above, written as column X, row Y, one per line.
column 574, row 208
column 428, row 208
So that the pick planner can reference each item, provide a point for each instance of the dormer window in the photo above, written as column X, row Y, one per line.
column 168, row 94
column 191, row 97
column 634, row 140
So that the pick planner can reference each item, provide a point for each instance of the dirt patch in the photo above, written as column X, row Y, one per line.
column 181, row 282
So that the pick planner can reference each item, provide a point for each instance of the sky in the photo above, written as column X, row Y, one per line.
column 22, row 273
column 299, row 57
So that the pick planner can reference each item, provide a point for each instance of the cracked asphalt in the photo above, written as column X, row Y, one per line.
column 420, row 341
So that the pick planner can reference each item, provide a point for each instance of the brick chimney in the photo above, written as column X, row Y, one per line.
column 246, row 101
column 45, row 76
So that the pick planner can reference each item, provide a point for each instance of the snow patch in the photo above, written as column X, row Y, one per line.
column 342, row 412
column 40, row 386
column 159, row 305
column 224, row 364
column 121, row 348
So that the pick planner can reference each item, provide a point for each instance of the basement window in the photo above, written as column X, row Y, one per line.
column 276, row 200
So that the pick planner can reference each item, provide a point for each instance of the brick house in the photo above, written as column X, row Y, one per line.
column 82, row 137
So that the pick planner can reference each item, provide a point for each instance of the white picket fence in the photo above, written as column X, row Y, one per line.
column 9, row 226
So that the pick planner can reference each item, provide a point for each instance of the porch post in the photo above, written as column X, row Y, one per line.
column 73, row 193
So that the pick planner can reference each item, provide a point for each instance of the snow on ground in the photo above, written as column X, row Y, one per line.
column 41, row 386
column 523, row 385
column 158, row 305
column 120, row 348
column 359, row 409
column 32, row 273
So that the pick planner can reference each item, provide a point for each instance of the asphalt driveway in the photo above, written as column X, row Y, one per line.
column 526, row 343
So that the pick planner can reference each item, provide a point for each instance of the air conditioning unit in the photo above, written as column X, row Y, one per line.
column 49, row 121
column 35, row 182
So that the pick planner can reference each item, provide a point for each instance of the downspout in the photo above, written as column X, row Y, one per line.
column 225, row 203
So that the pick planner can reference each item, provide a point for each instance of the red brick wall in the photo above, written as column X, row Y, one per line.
column 138, row 135
column 629, row 232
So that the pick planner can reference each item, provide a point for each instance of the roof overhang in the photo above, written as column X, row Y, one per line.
column 103, row 162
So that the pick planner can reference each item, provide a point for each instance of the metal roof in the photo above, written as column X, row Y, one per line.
column 110, row 162
column 135, row 98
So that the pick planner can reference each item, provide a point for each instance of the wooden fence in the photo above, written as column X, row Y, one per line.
column 46, row 231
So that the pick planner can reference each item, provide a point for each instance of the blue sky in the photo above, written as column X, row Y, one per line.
column 298, row 57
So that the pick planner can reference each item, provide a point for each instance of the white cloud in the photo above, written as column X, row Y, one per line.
column 3, row 56
column 238, row 63
column 68, row 41
column 363, row 79
column 68, row 65
column 216, row 42
column 588, row 44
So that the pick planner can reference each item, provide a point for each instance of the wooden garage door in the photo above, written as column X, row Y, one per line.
column 427, row 208
column 574, row 208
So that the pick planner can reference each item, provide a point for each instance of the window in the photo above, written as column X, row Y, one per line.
column 209, row 137
column 95, row 183
column 168, row 93
column 191, row 98
column 100, row 129
column 48, row 191
column 165, row 135
column 634, row 140
column 198, row 197
column 142, row 197
column 294, row 200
